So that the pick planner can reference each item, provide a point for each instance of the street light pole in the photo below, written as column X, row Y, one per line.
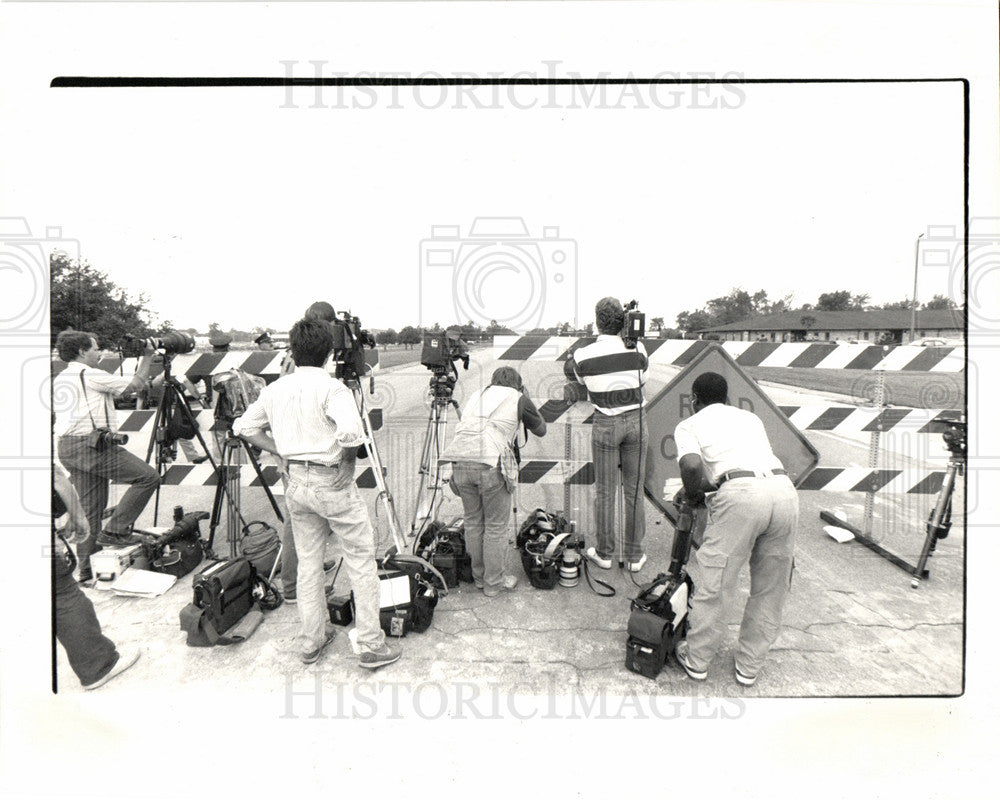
column 913, row 313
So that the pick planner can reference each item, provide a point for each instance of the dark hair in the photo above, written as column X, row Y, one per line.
column 507, row 376
column 311, row 341
column 320, row 310
column 610, row 315
column 71, row 343
column 711, row 388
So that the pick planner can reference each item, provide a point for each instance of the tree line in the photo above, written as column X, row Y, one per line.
column 739, row 304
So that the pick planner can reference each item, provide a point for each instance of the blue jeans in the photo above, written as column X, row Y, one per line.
column 615, row 440
column 486, row 503
column 90, row 472
column 750, row 519
column 91, row 654
column 321, row 499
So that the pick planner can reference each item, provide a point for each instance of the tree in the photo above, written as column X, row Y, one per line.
column 898, row 305
column 691, row 321
column 388, row 336
column 834, row 301
column 656, row 324
column 859, row 302
column 85, row 299
column 410, row 336
column 939, row 302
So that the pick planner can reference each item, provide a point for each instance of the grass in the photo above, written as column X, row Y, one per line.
column 902, row 389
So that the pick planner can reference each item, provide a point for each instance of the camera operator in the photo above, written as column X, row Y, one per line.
column 92, row 655
column 485, row 471
column 752, row 517
column 85, row 443
column 316, row 429
column 613, row 375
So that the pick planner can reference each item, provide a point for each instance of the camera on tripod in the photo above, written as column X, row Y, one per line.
column 349, row 343
column 170, row 343
column 442, row 350
column 635, row 324
column 956, row 437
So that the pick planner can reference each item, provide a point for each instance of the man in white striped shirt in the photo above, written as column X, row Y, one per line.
column 613, row 375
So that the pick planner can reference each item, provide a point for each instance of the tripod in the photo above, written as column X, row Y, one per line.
column 939, row 522
column 442, row 386
column 384, row 495
column 162, row 438
column 227, row 493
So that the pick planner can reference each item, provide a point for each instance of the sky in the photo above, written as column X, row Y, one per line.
column 243, row 205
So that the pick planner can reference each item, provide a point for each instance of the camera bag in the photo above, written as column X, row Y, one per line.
column 260, row 545
column 223, row 611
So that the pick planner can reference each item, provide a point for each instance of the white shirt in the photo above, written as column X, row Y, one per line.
column 79, row 412
column 312, row 416
column 726, row 438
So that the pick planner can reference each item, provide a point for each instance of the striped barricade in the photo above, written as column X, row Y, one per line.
column 680, row 352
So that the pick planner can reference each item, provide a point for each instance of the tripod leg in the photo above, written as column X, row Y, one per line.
column 941, row 512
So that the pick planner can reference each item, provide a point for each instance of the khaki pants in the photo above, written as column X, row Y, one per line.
column 750, row 520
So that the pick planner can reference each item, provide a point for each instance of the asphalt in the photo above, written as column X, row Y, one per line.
column 853, row 625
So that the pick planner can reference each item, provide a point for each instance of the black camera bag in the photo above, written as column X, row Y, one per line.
column 223, row 597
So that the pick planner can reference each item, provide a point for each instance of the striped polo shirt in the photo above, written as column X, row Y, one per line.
column 612, row 373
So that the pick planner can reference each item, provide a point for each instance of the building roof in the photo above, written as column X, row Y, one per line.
column 876, row 320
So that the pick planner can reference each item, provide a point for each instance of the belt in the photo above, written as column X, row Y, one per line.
column 302, row 463
column 747, row 473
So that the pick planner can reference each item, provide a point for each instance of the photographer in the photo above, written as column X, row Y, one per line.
column 85, row 432
column 92, row 655
column 752, row 517
column 485, row 471
column 613, row 375
column 316, row 429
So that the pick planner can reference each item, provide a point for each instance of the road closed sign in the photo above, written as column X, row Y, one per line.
column 673, row 404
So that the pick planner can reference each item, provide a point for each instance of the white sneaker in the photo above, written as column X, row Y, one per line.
column 603, row 563
column 635, row 566
column 125, row 660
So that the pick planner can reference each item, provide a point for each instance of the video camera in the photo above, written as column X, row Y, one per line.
column 178, row 550
column 635, row 324
column 170, row 343
column 442, row 350
column 349, row 343
column 955, row 433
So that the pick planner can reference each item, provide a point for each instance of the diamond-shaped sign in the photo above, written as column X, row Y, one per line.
column 673, row 404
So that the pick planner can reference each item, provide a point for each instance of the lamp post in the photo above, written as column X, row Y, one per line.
column 913, row 312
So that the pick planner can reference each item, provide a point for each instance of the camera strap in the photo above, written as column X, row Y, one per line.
column 591, row 581
column 86, row 399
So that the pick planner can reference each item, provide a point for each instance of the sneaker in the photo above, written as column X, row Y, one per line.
column 681, row 654
column 597, row 558
column 743, row 678
column 477, row 584
column 635, row 566
column 125, row 660
column 108, row 539
column 509, row 582
column 289, row 597
column 386, row 654
column 313, row 655
column 86, row 579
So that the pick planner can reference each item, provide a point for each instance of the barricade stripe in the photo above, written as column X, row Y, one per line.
column 585, row 476
column 533, row 471
column 876, row 479
column 551, row 410
column 134, row 421
column 867, row 359
column 929, row 485
column 523, row 348
column 756, row 353
column 811, row 356
column 928, row 359
column 830, row 419
column 889, row 418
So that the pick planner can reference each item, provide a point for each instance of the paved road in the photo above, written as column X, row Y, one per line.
column 853, row 625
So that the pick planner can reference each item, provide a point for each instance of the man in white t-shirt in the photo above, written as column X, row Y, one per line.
column 753, row 512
